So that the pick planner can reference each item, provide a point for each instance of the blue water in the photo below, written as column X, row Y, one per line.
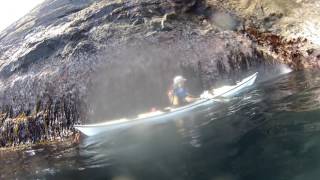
column 272, row 132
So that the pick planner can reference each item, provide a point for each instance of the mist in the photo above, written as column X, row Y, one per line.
column 136, row 79
column 138, row 76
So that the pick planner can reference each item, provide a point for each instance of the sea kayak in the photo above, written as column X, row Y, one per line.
column 206, row 98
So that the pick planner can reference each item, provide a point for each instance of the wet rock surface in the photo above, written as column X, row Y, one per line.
column 50, row 121
column 71, row 62
column 297, row 53
column 284, row 29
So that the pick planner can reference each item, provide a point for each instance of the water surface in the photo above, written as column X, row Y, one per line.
column 270, row 132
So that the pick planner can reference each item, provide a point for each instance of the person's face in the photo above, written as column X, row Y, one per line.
column 181, row 84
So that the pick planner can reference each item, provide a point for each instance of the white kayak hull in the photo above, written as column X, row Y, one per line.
column 226, row 91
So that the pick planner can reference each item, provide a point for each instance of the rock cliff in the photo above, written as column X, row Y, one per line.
column 284, row 29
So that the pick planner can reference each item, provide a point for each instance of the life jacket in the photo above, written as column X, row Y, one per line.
column 177, row 96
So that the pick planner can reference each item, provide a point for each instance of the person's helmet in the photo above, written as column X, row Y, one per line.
column 178, row 79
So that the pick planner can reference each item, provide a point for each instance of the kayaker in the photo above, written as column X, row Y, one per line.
column 178, row 94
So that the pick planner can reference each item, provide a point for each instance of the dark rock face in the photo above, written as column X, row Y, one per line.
column 81, row 61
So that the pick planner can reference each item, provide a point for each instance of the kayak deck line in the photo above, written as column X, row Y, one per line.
column 93, row 129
